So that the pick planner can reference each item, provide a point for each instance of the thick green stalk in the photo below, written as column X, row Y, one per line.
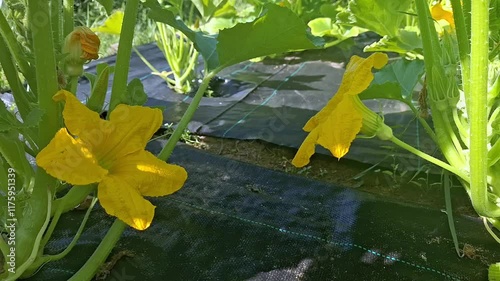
column 477, row 108
column 40, row 26
column 176, row 135
column 107, row 244
column 56, row 21
column 68, row 17
column 432, row 60
column 124, row 51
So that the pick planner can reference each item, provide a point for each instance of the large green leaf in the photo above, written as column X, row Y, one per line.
column 278, row 30
column 395, row 81
column 384, row 17
column 408, row 42
column 205, row 44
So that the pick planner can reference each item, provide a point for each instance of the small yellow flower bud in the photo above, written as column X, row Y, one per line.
column 80, row 46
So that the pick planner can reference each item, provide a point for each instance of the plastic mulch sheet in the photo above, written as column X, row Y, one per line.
column 273, row 99
column 236, row 221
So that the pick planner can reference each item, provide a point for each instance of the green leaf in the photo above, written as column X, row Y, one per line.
column 34, row 117
column 408, row 42
column 323, row 27
column 207, row 7
column 395, row 81
column 135, row 93
column 279, row 30
column 384, row 17
column 12, row 150
column 99, row 88
column 107, row 4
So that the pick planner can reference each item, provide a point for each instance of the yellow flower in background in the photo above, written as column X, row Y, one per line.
column 438, row 13
column 111, row 153
column 336, row 125
column 112, row 25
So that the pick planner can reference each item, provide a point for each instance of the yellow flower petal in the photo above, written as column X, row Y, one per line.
column 337, row 124
column 357, row 78
column 120, row 199
column 306, row 150
column 439, row 13
column 128, row 130
column 338, row 131
column 148, row 174
column 137, row 123
column 70, row 160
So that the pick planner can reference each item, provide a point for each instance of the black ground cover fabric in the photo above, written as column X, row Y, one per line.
column 272, row 100
column 237, row 221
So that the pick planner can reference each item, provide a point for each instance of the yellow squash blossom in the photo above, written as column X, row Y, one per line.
column 111, row 153
column 438, row 13
column 338, row 123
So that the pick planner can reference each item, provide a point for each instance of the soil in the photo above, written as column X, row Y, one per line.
column 420, row 189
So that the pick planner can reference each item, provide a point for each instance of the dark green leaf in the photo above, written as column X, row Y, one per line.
column 395, row 81
column 384, row 17
column 135, row 93
column 279, row 30
column 99, row 88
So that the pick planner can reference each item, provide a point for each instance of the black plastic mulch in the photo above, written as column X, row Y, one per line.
column 237, row 221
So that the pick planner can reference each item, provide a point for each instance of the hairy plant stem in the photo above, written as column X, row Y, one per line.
column 477, row 108
column 122, row 66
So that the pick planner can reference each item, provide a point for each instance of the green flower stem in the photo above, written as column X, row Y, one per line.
column 92, row 265
column 45, row 259
column 119, row 88
column 424, row 123
column 494, row 154
column 431, row 159
column 72, row 84
column 453, row 138
column 176, row 135
column 68, row 17
column 73, row 198
column 478, row 113
column 463, row 43
column 464, row 135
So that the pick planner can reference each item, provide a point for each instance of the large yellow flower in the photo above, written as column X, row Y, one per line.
column 438, row 13
column 338, row 123
column 112, row 154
